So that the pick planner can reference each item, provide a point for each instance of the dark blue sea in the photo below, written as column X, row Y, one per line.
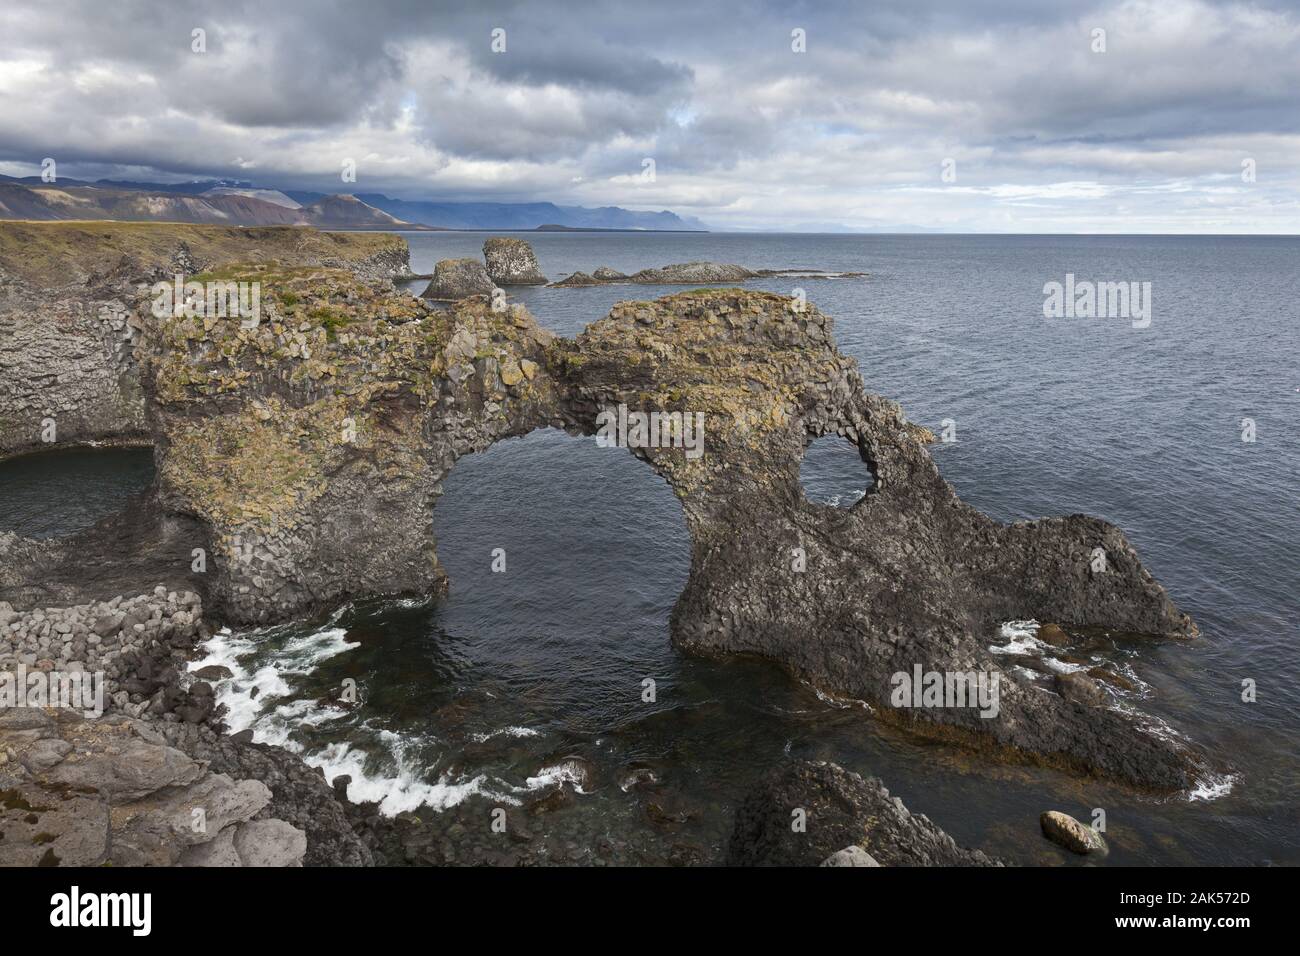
column 478, row 697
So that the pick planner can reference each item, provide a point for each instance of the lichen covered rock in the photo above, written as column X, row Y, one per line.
column 458, row 279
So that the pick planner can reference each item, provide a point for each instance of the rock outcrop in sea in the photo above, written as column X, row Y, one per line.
column 690, row 273
column 511, row 262
column 819, row 814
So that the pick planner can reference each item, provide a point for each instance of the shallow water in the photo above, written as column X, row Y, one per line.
column 469, row 698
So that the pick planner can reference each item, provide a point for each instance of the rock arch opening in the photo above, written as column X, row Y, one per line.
column 563, row 560
column 834, row 472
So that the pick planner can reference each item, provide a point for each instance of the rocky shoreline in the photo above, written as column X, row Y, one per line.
column 299, row 460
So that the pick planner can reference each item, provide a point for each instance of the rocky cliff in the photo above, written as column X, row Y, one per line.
column 67, row 368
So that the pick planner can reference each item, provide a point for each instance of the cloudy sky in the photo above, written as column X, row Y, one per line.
column 1036, row 129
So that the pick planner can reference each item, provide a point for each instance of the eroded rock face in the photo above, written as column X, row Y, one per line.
column 67, row 339
column 512, row 262
column 77, row 792
column 458, row 279
column 313, row 451
column 313, row 446
column 819, row 814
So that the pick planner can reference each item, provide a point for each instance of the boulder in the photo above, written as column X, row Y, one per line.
column 457, row 279
column 270, row 843
column 511, row 262
column 1063, row 829
column 213, row 672
column 1079, row 688
column 1054, row 635
column 850, row 856
column 113, row 791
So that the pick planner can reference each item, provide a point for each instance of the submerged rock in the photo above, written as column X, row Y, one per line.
column 457, row 279
column 806, row 813
column 512, row 262
column 1070, row 833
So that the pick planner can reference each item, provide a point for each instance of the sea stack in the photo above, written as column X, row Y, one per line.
column 512, row 262
column 458, row 278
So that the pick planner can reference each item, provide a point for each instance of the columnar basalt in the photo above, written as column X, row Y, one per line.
column 313, row 448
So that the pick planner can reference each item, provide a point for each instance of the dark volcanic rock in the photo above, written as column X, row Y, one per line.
column 840, row 809
column 457, row 279
column 577, row 280
column 298, row 794
column 512, row 262
column 909, row 577
column 682, row 273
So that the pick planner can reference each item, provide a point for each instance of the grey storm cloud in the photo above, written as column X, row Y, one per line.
column 1011, row 89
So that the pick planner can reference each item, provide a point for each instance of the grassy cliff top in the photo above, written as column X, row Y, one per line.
column 54, row 254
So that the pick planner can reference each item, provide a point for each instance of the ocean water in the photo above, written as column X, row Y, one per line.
column 478, row 698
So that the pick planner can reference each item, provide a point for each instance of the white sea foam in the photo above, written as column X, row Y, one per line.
column 403, row 789
column 248, row 694
column 1212, row 786
column 1020, row 637
column 560, row 773
column 505, row 732
column 397, row 780
column 854, row 496
column 841, row 702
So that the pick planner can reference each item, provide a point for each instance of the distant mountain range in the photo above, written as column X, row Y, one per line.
column 243, row 203
column 530, row 215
